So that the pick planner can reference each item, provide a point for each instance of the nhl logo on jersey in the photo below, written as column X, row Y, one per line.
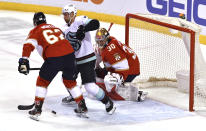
column 117, row 56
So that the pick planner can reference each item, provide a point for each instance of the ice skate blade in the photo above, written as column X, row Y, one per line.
column 70, row 103
column 35, row 117
column 82, row 115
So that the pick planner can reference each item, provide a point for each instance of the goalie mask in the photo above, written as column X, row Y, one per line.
column 39, row 18
column 69, row 11
column 101, row 38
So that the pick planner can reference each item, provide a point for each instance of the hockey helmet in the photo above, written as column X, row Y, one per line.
column 101, row 37
column 69, row 9
column 39, row 18
column 67, row 12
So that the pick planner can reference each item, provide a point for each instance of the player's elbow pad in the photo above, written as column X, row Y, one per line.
column 92, row 25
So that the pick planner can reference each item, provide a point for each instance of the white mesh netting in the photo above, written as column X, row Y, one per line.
column 163, row 52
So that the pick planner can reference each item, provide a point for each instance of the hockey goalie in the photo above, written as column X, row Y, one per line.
column 121, row 66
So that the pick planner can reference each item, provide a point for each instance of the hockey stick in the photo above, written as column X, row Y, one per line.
column 25, row 107
column 34, row 68
column 110, row 26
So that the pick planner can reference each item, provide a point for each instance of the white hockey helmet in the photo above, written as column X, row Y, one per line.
column 69, row 9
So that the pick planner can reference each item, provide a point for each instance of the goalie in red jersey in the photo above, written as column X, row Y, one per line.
column 121, row 67
column 58, row 55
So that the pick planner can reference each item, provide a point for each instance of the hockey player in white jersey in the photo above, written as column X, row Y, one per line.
column 77, row 33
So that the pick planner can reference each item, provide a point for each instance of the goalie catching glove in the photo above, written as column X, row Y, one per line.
column 113, row 79
column 23, row 66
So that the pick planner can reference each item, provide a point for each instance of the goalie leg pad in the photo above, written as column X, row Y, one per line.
column 133, row 93
column 128, row 92
column 123, row 92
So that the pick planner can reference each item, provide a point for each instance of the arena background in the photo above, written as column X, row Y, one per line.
column 115, row 10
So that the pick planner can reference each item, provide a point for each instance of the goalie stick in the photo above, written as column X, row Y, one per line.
column 110, row 26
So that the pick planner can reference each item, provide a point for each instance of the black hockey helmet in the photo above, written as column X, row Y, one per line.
column 39, row 18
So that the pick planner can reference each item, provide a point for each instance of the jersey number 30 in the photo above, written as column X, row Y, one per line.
column 50, row 37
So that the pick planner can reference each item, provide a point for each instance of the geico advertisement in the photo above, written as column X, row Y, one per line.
column 194, row 10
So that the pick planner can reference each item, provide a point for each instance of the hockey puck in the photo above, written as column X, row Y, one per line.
column 53, row 112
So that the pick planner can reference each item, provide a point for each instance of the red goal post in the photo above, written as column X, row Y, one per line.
column 142, row 18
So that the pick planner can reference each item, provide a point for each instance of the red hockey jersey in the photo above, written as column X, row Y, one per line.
column 119, row 58
column 48, row 40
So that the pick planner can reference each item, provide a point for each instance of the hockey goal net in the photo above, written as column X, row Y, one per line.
column 169, row 54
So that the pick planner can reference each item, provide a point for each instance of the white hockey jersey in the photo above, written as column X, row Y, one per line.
column 84, row 50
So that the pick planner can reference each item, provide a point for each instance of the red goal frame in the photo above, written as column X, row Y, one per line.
column 192, row 47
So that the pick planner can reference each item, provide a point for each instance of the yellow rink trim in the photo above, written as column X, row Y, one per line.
column 57, row 11
column 29, row 8
column 203, row 39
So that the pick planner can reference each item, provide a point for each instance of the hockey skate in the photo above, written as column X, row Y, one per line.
column 36, row 112
column 110, row 108
column 69, row 100
column 141, row 96
column 81, row 109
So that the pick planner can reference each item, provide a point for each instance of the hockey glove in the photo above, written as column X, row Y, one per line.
column 23, row 66
column 119, row 77
column 113, row 79
column 80, row 34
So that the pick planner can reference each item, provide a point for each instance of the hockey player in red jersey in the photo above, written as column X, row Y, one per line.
column 58, row 55
column 122, row 64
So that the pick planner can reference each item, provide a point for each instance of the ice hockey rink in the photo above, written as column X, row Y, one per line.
column 17, row 88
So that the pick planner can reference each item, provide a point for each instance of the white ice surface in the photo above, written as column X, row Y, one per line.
column 127, row 112
column 17, row 89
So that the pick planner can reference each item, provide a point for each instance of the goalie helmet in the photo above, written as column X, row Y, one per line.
column 101, row 38
column 69, row 9
column 39, row 18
